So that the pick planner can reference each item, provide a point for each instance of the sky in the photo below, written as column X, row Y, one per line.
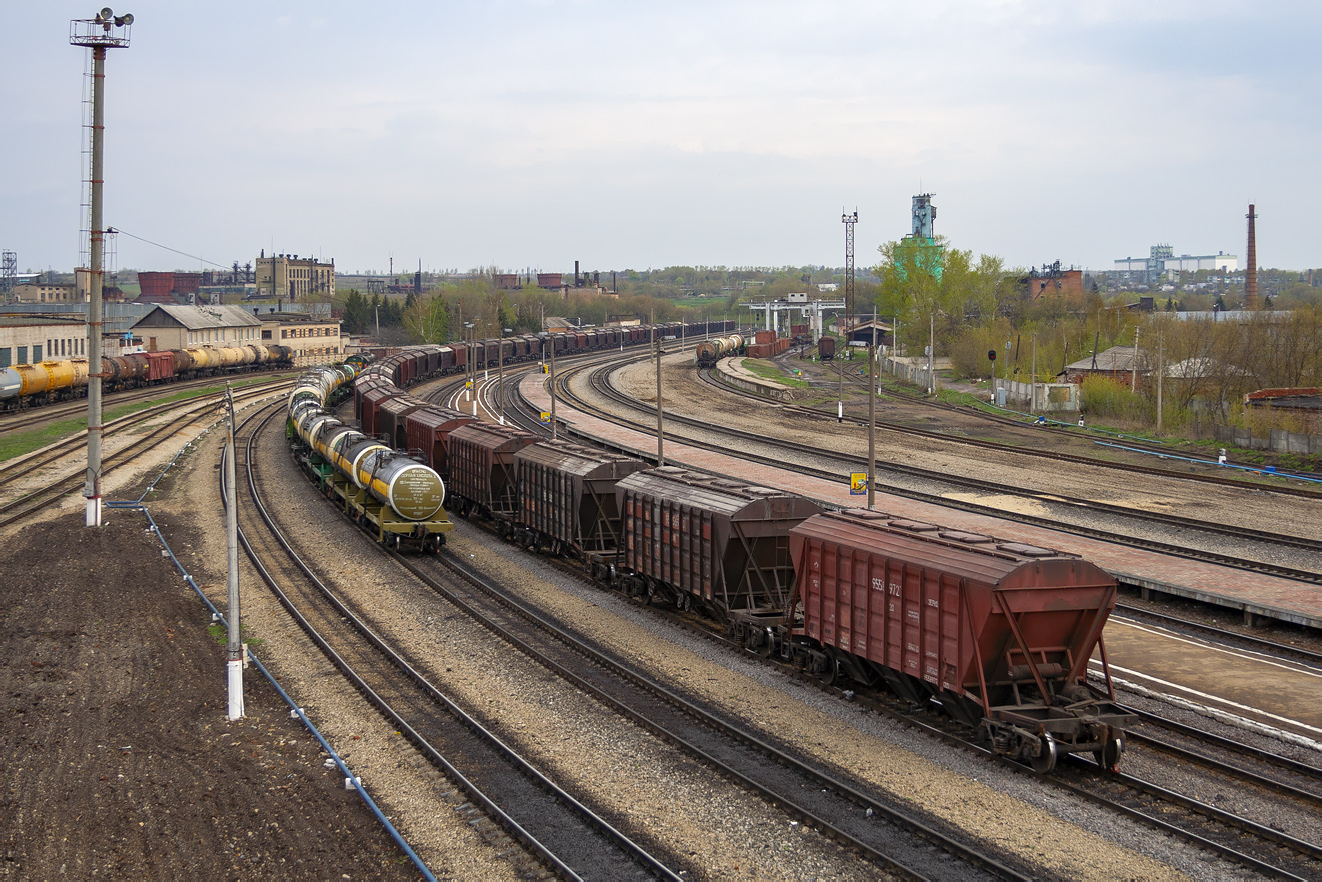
column 645, row 134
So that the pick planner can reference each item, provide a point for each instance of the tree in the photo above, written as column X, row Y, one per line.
column 357, row 313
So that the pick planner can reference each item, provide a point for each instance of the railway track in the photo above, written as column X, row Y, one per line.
column 19, row 420
column 30, row 503
column 1028, row 450
column 881, row 829
column 1253, row 843
column 559, row 833
column 601, row 385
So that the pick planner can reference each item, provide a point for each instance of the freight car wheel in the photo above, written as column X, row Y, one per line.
column 1109, row 756
column 1045, row 761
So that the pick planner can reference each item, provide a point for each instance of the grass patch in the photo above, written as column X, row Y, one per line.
column 768, row 371
column 14, row 444
column 19, row 443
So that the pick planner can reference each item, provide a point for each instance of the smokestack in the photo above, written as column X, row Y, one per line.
column 1251, row 269
column 576, row 282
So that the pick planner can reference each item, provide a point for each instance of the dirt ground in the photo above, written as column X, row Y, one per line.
column 115, row 751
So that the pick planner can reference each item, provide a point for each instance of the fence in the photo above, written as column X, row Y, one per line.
column 915, row 373
column 1278, row 440
column 1047, row 397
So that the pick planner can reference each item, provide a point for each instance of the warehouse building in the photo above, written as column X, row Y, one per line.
column 182, row 327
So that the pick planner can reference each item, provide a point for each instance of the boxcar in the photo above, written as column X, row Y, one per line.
column 567, row 501
column 722, row 543
column 390, row 419
column 428, row 431
column 1001, row 631
column 372, row 400
column 481, row 460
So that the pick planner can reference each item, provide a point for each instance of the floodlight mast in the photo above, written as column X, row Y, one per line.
column 103, row 32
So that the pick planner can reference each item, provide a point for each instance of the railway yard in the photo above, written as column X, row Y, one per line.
column 513, row 719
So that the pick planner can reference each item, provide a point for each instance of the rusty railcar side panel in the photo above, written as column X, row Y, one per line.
column 954, row 611
column 481, row 459
column 567, row 493
column 372, row 400
column 722, row 540
column 429, row 429
column 390, row 419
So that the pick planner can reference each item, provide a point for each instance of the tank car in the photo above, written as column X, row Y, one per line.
column 393, row 496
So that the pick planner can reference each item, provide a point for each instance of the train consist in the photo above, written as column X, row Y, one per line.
column 386, row 475
column 998, row 634
column 28, row 385
column 711, row 351
column 387, row 492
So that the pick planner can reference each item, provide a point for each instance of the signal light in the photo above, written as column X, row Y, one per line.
column 991, row 354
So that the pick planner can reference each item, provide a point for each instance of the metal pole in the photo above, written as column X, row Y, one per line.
column 92, row 485
column 551, row 340
column 500, row 380
column 1161, row 370
column 872, row 413
column 931, row 351
column 1133, row 370
column 234, row 645
column 660, row 428
column 1032, row 394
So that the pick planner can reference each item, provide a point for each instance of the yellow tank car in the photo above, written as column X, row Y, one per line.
column 230, row 357
column 34, row 377
column 80, row 372
column 412, row 489
column 199, row 359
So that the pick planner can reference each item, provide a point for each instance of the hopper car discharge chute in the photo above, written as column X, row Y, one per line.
column 391, row 495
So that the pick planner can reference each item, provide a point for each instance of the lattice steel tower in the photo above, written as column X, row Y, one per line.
column 849, row 220
column 8, row 274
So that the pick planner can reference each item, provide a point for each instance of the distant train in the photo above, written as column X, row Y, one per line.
column 30, row 385
column 386, row 475
column 713, row 350
column 997, row 633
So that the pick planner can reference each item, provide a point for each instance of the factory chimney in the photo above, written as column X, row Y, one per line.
column 577, row 283
column 1251, row 268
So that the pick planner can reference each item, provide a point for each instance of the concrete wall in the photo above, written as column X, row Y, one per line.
column 1279, row 441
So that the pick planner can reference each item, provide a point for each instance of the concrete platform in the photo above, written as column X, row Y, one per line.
column 733, row 372
column 1252, row 594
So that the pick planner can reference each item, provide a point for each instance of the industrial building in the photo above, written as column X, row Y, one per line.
column 170, row 326
column 45, row 292
column 1162, row 259
column 313, row 339
column 290, row 276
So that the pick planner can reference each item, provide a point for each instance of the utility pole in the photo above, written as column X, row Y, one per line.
column 1161, row 370
column 660, row 427
column 931, row 351
column 234, row 644
column 103, row 32
column 872, row 413
column 551, row 342
column 1133, row 369
column 500, row 381
column 1032, row 394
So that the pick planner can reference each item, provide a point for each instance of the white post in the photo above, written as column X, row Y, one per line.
column 234, row 645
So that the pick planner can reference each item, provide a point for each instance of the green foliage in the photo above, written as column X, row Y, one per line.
column 768, row 371
column 1104, row 398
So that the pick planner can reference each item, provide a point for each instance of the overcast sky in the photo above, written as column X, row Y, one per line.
column 650, row 134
